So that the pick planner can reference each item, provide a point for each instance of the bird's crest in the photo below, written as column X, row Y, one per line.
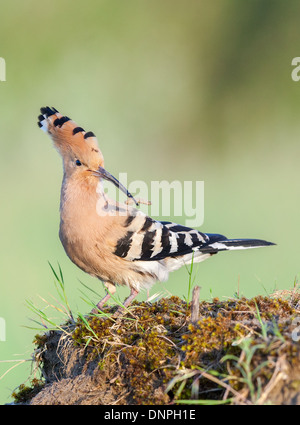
column 68, row 136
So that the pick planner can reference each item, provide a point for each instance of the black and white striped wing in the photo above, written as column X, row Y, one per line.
column 150, row 240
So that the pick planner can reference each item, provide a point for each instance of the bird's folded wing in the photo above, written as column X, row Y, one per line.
column 146, row 239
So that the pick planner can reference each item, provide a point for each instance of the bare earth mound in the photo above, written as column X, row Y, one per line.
column 238, row 351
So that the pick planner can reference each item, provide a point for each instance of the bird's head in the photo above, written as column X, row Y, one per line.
column 79, row 149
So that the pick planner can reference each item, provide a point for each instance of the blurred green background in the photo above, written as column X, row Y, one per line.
column 174, row 90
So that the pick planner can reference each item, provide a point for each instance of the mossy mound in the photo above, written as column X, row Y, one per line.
column 239, row 351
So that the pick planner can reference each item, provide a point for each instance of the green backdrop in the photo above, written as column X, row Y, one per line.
column 174, row 90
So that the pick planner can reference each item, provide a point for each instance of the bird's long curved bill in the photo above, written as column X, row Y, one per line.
column 101, row 172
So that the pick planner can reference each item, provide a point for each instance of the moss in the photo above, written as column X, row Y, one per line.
column 25, row 393
column 156, row 346
column 40, row 340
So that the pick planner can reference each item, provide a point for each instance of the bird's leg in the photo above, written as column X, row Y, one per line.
column 111, row 290
column 133, row 294
column 121, row 310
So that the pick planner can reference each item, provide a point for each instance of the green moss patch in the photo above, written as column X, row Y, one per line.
column 238, row 351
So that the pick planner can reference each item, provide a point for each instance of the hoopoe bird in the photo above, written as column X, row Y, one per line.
column 115, row 242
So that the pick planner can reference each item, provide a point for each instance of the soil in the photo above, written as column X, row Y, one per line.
column 238, row 351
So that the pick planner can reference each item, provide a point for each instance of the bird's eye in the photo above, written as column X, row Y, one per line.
column 78, row 162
